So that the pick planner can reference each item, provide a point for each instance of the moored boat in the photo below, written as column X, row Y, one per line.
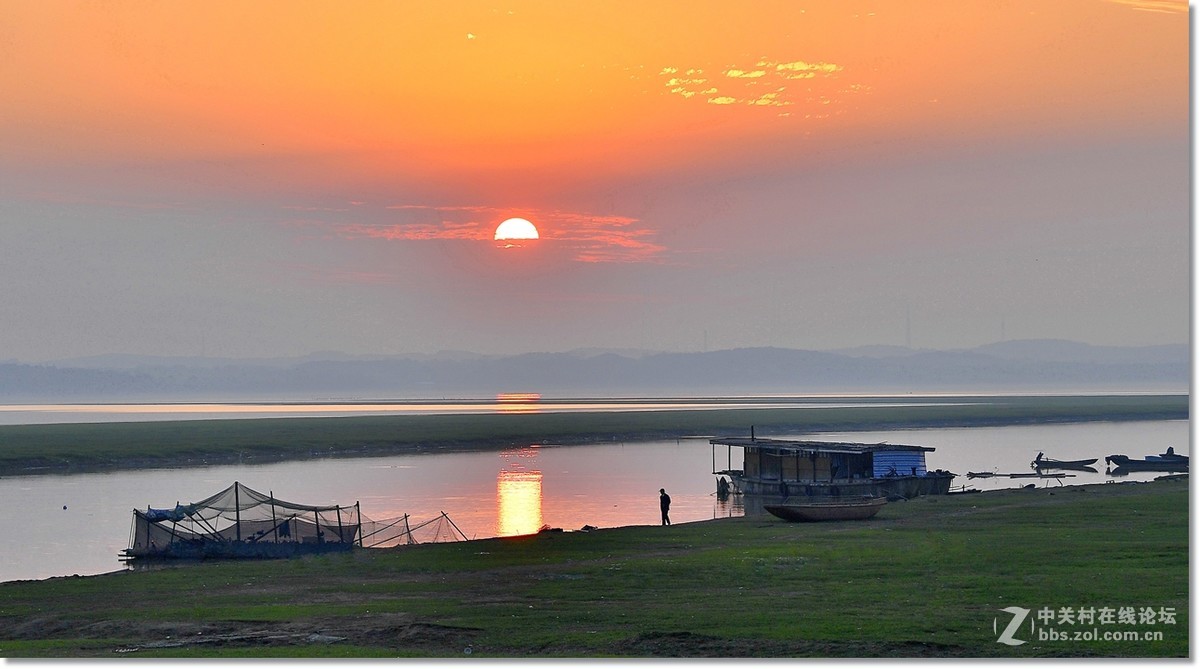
column 785, row 468
column 1174, row 463
column 1169, row 456
column 1041, row 462
column 810, row 512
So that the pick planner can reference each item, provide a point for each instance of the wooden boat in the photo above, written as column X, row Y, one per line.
column 1046, row 463
column 858, row 509
column 1167, row 458
column 1174, row 463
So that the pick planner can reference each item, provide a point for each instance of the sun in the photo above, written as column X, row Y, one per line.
column 516, row 228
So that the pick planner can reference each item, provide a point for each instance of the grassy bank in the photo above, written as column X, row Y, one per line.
column 924, row 578
column 32, row 449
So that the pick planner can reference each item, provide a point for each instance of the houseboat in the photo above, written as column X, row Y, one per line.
column 789, row 468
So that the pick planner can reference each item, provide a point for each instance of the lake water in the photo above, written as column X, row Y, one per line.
column 77, row 524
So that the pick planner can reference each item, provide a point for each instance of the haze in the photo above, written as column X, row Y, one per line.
column 277, row 178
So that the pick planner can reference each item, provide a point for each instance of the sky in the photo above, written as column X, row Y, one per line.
column 279, row 178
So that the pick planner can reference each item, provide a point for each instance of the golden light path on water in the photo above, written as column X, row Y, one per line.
column 518, row 494
column 504, row 403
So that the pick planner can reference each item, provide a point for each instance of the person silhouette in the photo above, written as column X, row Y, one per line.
column 664, row 504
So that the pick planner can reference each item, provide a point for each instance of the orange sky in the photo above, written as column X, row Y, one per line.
column 725, row 145
column 396, row 88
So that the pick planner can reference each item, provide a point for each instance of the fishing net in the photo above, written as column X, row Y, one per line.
column 240, row 519
column 242, row 522
column 403, row 532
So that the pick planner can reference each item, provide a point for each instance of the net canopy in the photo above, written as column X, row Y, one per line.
column 242, row 522
column 241, row 519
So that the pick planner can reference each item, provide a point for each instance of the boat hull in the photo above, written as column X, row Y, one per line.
column 1063, row 464
column 1177, row 463
column 891, row 487
column 813, row 512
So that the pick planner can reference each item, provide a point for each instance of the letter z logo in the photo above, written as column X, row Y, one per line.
column 1006, row 637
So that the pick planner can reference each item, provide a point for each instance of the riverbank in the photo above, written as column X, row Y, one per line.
column 69, row 448
column 925, row 578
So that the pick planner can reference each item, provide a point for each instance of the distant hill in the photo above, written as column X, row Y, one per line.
column 1061, row 350
column 1028, row 365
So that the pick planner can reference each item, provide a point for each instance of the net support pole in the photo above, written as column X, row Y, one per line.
column 460, row 532
column 341, row 535
column 237, row 511
column 358, row 514
column 274, row 523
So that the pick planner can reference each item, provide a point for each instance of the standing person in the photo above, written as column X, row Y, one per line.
column 664, row 503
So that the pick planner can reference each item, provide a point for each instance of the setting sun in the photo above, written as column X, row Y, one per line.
column 516, row 228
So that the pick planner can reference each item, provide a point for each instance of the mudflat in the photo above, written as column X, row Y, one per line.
column 67, row 448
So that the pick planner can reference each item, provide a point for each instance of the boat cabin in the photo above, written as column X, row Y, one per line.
column 822, row 468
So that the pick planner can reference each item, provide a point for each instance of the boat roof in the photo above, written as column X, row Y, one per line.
column 804, row 446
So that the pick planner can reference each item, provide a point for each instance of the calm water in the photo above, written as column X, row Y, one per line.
column 504, row 493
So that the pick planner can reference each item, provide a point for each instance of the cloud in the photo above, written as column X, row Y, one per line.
column 766, row 84
column 415, row 231
column 1163, row 6
column 808, row 70
column 584, row 237
column 743, row 74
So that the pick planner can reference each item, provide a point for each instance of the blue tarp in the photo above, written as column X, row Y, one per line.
column 177, row 514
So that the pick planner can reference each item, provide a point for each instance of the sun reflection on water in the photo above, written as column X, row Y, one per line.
column 518, row 494
column 518, row 402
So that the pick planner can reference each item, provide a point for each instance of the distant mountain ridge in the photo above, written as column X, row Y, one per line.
column 1024, row 365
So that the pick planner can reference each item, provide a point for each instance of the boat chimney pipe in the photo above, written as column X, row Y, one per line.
column 751, row 433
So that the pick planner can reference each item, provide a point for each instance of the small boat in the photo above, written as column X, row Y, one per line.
column 1046, row 463
column 858, row 509
column 1169, row 456
column 964, row 491
column 1175, row 463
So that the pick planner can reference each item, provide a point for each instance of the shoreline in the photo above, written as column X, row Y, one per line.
column 819, row 590
column 68, row 448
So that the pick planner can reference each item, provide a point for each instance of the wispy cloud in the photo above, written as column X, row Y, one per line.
column 766, row 83
column 585, row 237
column 1163, row 6
column 414, row 231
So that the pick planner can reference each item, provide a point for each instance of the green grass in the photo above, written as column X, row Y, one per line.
column 32, row 449
column 924, row 578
